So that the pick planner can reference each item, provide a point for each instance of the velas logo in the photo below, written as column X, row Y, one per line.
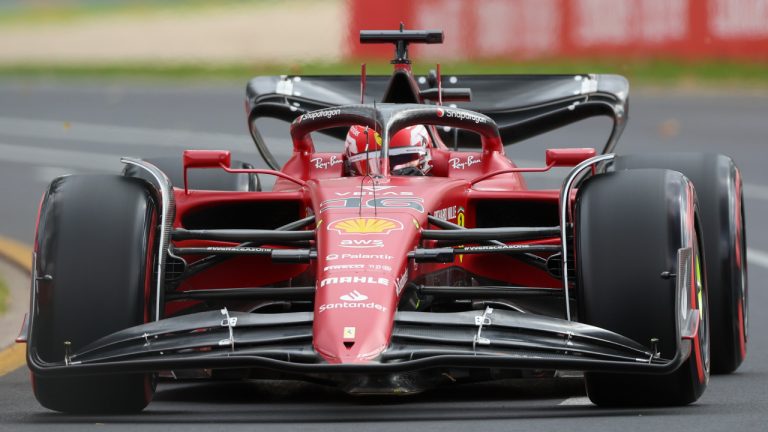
column 354, row 296
column 365, row 226
column 380, row 191
column 376, row 188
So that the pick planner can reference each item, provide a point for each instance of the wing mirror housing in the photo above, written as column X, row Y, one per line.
column 207, row 159
column 568, row 157
column 222, row 159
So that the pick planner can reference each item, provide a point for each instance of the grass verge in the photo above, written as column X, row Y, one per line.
column 645, row 72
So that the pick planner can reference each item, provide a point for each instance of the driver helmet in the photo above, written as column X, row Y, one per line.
column 408, row 151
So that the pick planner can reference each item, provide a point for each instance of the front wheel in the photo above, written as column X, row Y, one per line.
column 631, row 227
column 95, row 248
column 721, row 200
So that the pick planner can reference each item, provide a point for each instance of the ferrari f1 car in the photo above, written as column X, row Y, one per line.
column 379, row 281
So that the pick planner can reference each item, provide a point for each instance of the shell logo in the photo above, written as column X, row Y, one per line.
column 365, row 226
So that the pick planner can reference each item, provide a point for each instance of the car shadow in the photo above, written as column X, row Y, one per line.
column 272, row 402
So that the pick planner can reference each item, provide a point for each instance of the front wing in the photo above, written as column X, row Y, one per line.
column 420, row 340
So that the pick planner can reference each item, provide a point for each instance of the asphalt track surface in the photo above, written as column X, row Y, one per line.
column 47, row 130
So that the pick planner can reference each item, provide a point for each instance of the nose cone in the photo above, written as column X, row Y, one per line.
column 354, row 321
column 362, row 264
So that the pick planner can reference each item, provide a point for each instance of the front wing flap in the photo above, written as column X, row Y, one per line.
column 420, row 340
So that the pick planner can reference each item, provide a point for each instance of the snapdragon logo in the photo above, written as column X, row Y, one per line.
column 462, row 115
column 322, row 113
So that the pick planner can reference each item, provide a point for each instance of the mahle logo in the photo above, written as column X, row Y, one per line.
column 365, row 226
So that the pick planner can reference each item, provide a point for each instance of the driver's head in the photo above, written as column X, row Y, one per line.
column 408, row 151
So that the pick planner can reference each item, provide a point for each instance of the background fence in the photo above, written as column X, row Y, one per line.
column 504, row 29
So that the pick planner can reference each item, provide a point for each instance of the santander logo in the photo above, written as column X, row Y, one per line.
column 354, row 296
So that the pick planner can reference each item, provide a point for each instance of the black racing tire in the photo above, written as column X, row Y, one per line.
column 719, row 188
column 629, row 227
column 96, row 241
column 202, row 179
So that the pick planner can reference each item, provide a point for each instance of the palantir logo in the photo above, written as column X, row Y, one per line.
column 354, row 296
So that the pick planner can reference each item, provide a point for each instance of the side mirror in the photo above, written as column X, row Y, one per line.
column 568, row 157
column 207, row 159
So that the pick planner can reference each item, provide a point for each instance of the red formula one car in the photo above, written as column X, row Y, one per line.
column 396, row 263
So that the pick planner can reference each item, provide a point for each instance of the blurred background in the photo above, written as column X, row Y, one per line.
column 654, row 41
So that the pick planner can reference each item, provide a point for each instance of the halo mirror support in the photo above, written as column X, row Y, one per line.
column 222, row 159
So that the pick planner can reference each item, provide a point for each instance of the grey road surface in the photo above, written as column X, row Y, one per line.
column 47, row 130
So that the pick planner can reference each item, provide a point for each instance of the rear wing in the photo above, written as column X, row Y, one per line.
column 523, row 106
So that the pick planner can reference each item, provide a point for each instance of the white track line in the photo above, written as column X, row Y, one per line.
column 186, row 139
column 757, row 257
column 755, row 191
column 576, row 401
column 60, row 158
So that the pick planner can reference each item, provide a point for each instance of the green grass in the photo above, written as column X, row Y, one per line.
column 3, row 296
column 648, row 72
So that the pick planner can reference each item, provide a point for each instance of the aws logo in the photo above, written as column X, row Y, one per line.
column 362, row 244
column 365, row 226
